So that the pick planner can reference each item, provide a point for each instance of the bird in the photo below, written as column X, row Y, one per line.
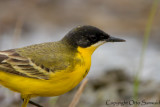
column 51, row 68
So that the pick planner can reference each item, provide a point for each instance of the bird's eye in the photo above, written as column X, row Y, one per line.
column 93, row 37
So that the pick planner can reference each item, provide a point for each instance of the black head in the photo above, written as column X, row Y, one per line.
column 85, row 36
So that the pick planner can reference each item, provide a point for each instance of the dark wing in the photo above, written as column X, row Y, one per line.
column 12, row 62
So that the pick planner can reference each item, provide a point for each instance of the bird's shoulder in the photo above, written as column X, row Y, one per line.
column 50, row 55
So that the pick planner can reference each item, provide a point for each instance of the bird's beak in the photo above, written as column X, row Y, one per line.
column 113, row 39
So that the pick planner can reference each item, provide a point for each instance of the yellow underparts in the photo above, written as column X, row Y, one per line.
column 59, row 82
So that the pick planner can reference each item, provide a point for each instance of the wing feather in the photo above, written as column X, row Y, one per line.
column 12, row 62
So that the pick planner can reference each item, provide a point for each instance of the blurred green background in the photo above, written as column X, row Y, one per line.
column 26, row 22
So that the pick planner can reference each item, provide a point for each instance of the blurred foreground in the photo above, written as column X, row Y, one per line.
column 113, row 86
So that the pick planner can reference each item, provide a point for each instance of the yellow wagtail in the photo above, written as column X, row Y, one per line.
column 54, row 68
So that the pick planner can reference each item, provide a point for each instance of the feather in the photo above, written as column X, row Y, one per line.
column 12, row 62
